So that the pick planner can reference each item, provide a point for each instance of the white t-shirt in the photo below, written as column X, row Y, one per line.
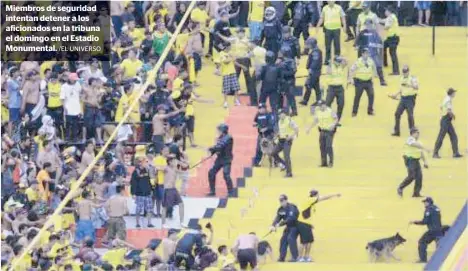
column 70, row 94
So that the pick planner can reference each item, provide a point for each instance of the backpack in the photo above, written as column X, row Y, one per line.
column 308, row 211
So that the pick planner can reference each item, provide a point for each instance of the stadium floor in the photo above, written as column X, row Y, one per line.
column 368, row 164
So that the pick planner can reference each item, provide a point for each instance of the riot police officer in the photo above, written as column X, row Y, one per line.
column 224, row 156
column 432, row 219
column 287, row 131
column 292, row 43
column 337, row 73
column 408, row 92
column 314, row 67
column 287, row 216
column 303, row 14
column 288, row 80
column 265, row 123
column 363, row 71
column 271, row 30
column 270, row 75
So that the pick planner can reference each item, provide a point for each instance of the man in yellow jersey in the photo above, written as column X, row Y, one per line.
column 365, row 15
column 408, row 92
column 332, row 17
column 446, row 125
column 352, row 13
column 255, row 19
column 54, row 104
column 362, row 72
column 337, row 79
column 304, row 225
column 392, row 41
column 413, row 151
column 327, row 122
column 287, row 131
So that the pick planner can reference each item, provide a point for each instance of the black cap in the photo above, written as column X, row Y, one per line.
column 283, row 197
column 428, row 200
column 313, row 193
column 450, row 91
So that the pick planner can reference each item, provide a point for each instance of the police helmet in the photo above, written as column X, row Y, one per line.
column 428, row 200
column 285, row 29
column 270, row 57
column 223, row 128
column 311, row 42
column 285, row 51
column 270, row 13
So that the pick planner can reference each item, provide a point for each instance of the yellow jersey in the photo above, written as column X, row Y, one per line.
column 200, row 16
column 325, row 119
column 411, row 151
column 337, row 76
column 332, row 16
column 257, row 10
column 227, row 64
column 306, row 209
column 131, row 67
column 31, row 194
column 54, row 90
column 138, row 35
column 115, row 256
column 240, row 47
column 364, row 69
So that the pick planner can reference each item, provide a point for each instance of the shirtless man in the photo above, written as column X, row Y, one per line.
column 87, row 157
column 50, row 154
column 182, row 163
column 159, row 126
column 169, row 245
column 92, row 95
column 171, row 195
column 31, row 92
column 245, row 248
column 84, row 227
column 116, row 208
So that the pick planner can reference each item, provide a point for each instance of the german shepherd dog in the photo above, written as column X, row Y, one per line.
column 383, row 248
column 267, row 145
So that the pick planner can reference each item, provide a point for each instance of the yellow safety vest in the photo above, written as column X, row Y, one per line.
column 363, row 17
column 364, row 72
column 285, row 129
column 337, row 76
column 412, row 152
column 394, row 28
column 332, row 17
column 408, row 89
column 325, row 118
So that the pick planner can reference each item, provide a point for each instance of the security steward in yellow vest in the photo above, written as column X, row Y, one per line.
column 337, row 79
column 326, row 120
column 287, row 131
column 363, row 71
column 408, row 92
column 413, row 151
column 392, row 40
column 446, row 126
column 332, row 17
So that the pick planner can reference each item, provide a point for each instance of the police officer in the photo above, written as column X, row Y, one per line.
column 265, row 123
column 392, row 40
column 287, row 131
column 223, row 149
column 363, row 71
column 408, row 92
column 287, row 216
column 413, row 151
column 337, row 79
column 192, row 238
column 270, row 75
column 288, row 80
column 303, row 14
column 271, row 30
column 365, row 15
column 292, row 43
column 314, row 67
column 432, row 219
column 332, row 17
column 326, row 120
column 446, row 126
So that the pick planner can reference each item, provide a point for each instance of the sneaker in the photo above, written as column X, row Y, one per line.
column 293, row 260
column 436, row 156
column 457, row 155
column 225, row 105
column 237, row 102
column 301, row 260
column 308, row 260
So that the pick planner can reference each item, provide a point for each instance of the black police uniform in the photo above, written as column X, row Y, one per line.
column 432, row 219
column 270, row 75
column 293, row 44
column 272, row 35
column 184, row 249
column 446, row 126
column 314, row 66
column 223, row 149
column 303, row 14
column 288, row 83
column 288, row 216
column 263, row 121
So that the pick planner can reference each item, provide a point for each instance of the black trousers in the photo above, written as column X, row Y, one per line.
column 73, row 127
column 301, row 28
column 287, row 92
column 414, row 174
column 446, row 126
column 284, row 146
column 273, row 96
column 391, row 43
column 351, row 20
column 313, row 82
column 427, row 238
column 406, row 103
column 338, row 93
column 272, row 45
column 249, row 81
column 289, row 238
column 326, row 146
column 218, row 165
column 361, row 86
column 332, row 36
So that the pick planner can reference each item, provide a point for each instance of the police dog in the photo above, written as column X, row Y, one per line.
column 267, row 145
column 383, row 248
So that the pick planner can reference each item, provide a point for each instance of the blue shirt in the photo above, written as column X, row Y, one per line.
column 14, row 95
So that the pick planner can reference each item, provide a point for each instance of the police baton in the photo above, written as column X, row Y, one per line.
column 266, row 235
column 201, row 161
